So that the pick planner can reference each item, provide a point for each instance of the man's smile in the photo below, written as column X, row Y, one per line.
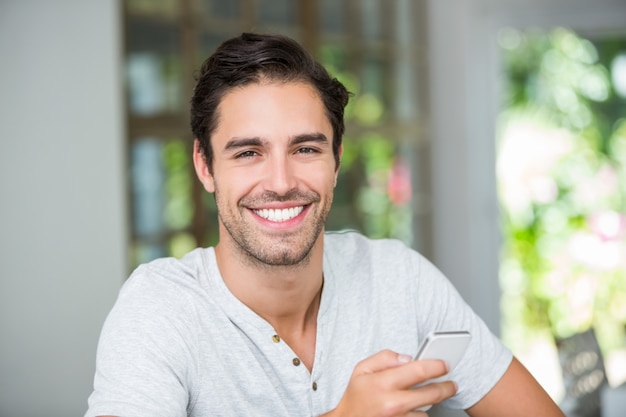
column 279, row 215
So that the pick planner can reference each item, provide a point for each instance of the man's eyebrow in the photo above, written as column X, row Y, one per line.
column 309, row 137
column 236, row 143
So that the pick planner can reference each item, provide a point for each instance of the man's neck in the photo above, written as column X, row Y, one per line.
column 287, row 297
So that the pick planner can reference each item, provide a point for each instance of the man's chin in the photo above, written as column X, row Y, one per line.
column 278, row 259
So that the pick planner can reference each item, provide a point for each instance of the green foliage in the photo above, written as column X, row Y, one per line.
column 178, row 207
column 373, row 186
column 562, row 183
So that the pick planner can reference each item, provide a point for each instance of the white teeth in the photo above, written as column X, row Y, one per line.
column 279, row 215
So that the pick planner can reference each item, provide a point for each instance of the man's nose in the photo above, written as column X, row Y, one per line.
column 279, row 175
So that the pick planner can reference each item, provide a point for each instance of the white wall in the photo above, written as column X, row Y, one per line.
column 62, row 208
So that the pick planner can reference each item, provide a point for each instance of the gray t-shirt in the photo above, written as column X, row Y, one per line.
column 178, row 343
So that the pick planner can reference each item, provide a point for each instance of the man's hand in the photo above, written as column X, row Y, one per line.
column 383, row 386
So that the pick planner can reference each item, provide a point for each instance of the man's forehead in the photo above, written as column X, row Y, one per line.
column 256, row 97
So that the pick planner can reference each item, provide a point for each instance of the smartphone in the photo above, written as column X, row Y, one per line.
column 446, row 346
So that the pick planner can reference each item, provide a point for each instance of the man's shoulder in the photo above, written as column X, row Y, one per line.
column 169, row 273
column 352, row 260
column 352, row 250
column 184, row 265
column 353, row 241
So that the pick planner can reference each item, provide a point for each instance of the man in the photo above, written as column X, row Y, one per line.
column 281, row 318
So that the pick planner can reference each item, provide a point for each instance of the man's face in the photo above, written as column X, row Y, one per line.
column 273, row 171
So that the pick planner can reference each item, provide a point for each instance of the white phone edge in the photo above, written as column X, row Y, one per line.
column 449, row 346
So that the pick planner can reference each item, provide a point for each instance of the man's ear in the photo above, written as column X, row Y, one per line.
column 338, row 166
column 202, row 168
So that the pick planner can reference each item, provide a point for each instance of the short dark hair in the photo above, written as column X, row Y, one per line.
column 250, row 58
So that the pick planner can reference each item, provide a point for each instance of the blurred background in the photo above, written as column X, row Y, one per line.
column 488, row 134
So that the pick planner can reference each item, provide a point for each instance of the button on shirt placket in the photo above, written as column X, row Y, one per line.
column 316, row 395
column 296, row 362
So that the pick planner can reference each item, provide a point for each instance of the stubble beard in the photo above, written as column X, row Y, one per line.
column 264, row 250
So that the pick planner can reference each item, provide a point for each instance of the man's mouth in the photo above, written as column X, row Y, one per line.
column 279, row 215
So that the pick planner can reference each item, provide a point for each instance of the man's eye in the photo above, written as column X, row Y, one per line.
column 306, row 149
column 246, row 154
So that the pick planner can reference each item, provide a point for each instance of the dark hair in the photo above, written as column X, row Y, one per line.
column 250, row 58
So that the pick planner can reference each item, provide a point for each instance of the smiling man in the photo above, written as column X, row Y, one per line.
column 281, row 318
column 273, row 172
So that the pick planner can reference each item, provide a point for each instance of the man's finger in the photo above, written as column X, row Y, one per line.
column 427, row 395
column 381, row 361
column 413, row 373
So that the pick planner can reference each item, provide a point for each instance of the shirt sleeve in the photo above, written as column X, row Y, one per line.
column 443, row 309
column 142, row 359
